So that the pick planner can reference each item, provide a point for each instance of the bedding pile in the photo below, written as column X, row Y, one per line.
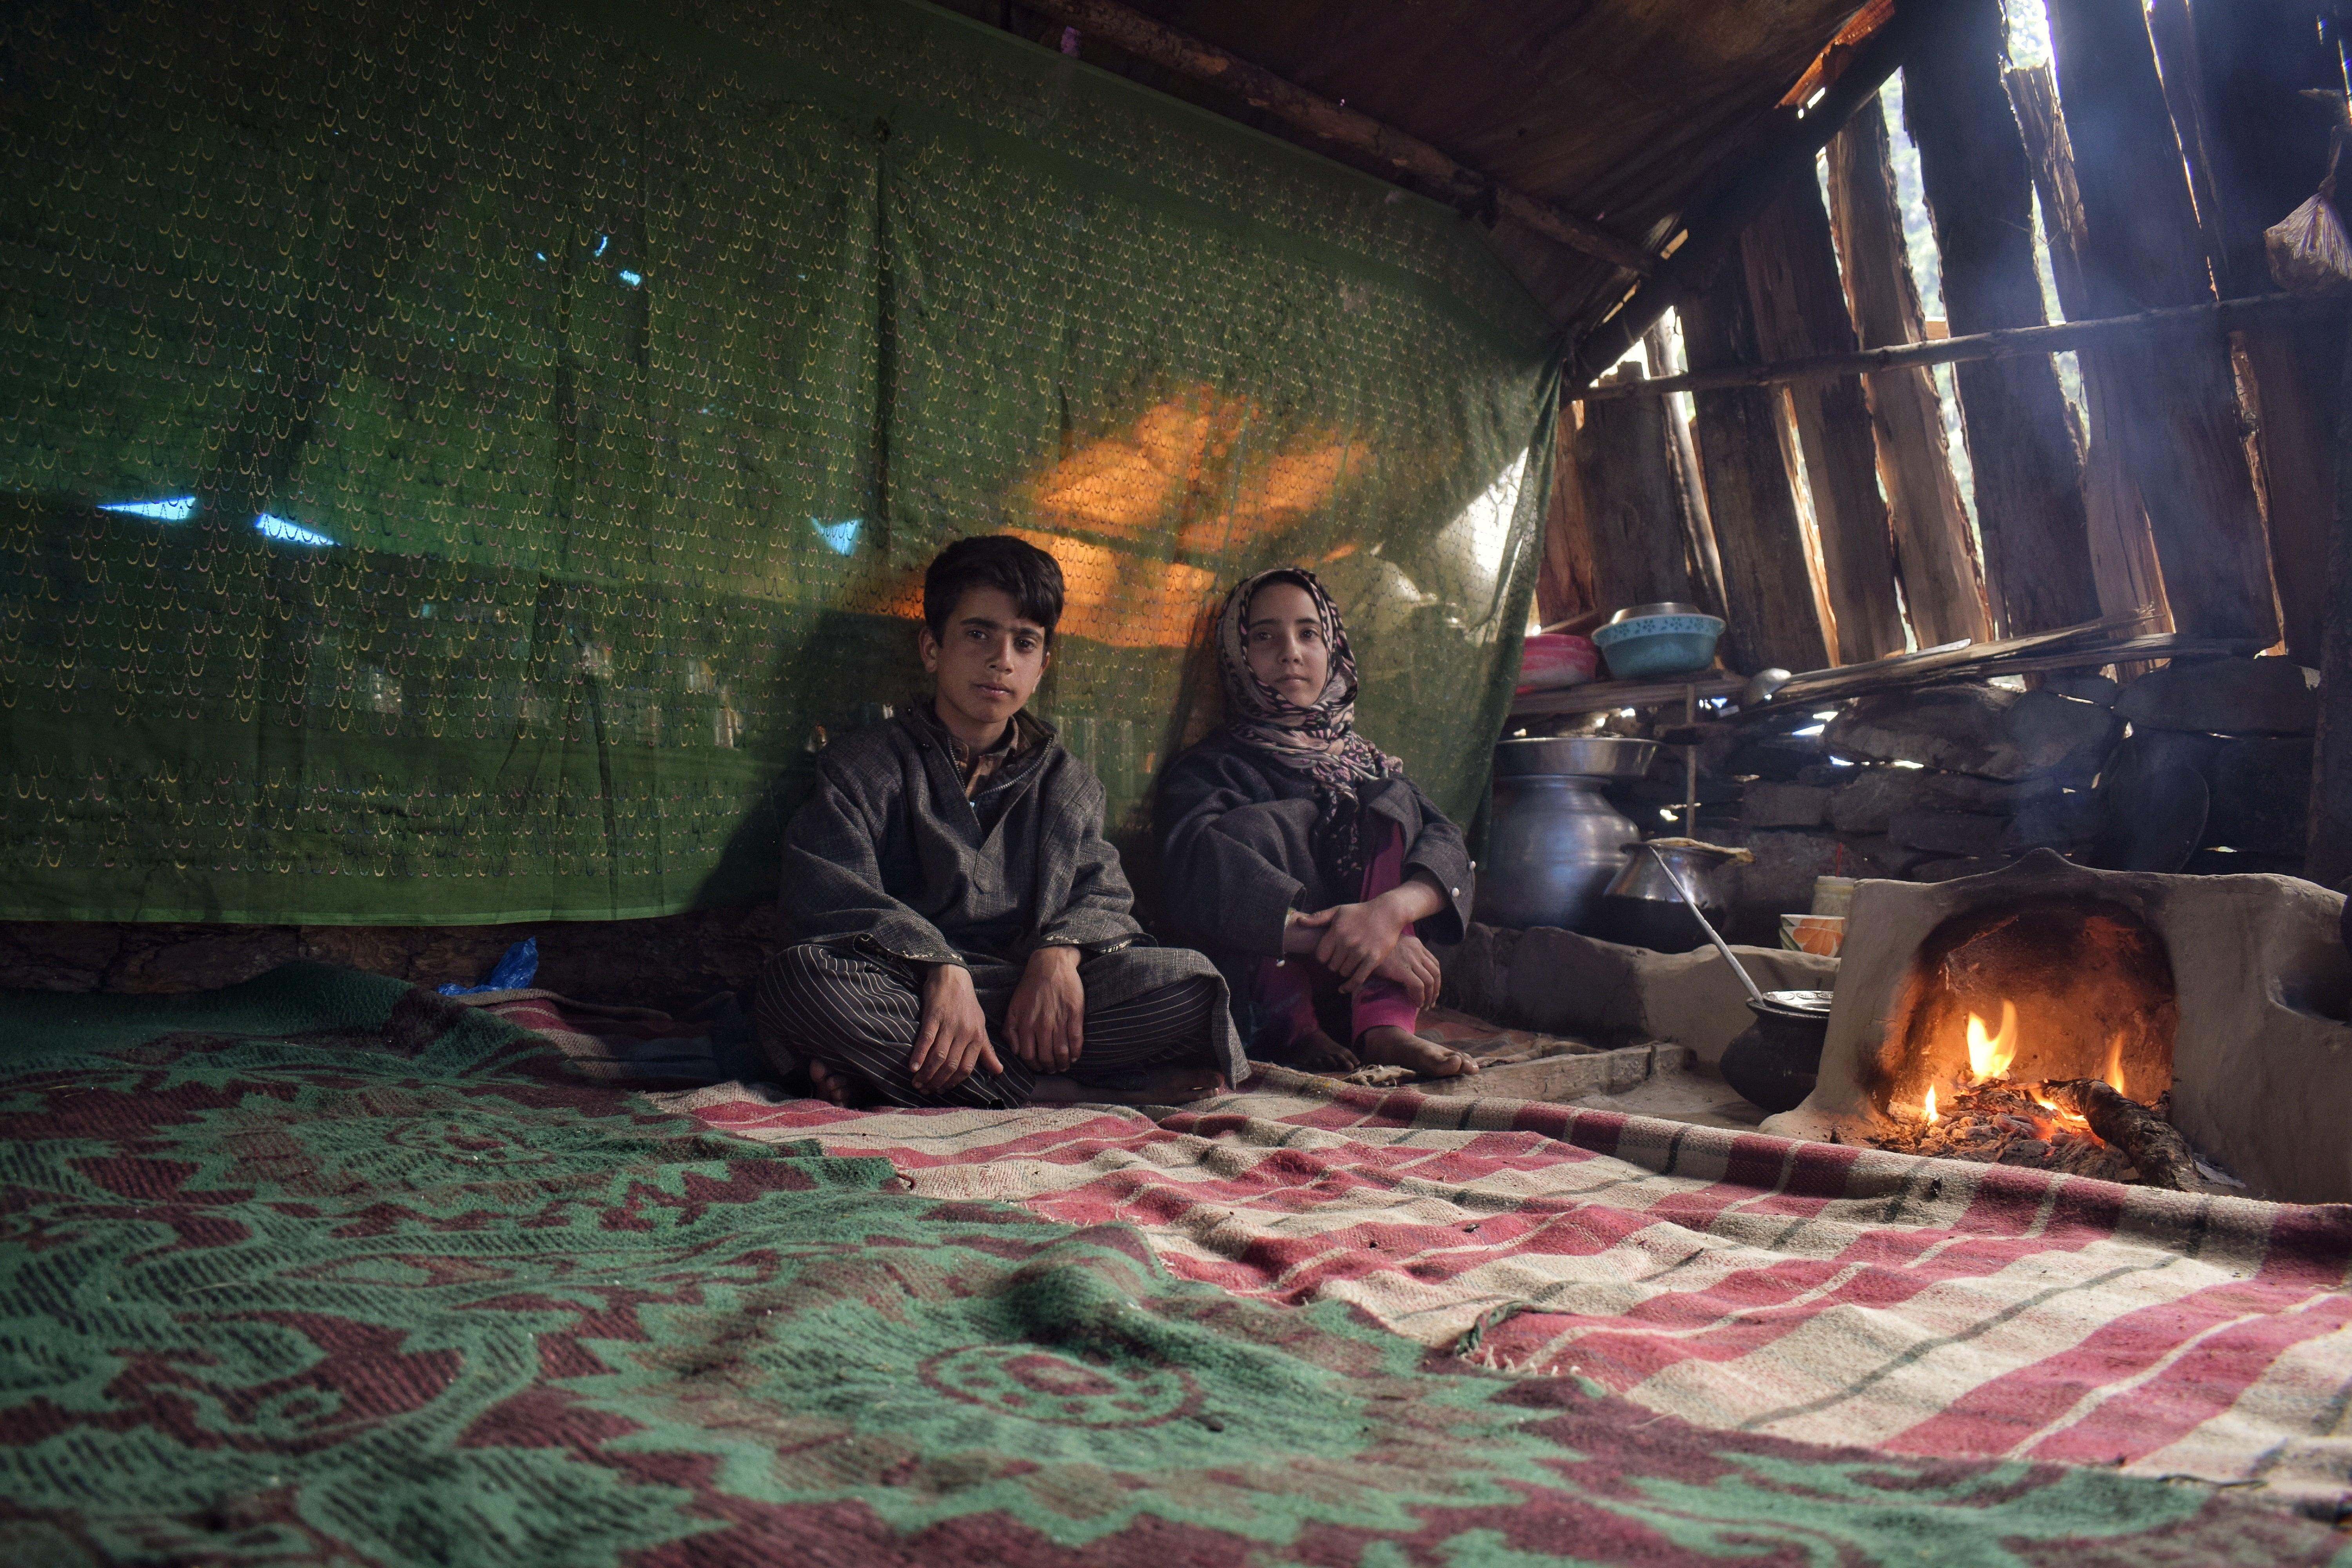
column 326, row 1268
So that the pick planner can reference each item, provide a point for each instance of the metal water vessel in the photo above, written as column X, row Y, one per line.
column 1554, row 841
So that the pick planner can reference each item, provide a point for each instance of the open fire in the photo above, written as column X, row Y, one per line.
column 1986, row 1117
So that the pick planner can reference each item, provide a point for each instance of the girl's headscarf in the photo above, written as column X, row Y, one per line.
column 1319, row 740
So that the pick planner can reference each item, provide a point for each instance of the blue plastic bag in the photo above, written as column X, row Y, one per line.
column 512, row 971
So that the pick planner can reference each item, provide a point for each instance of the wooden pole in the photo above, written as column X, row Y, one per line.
column 1979, row 193
column 2328, row 860
column 1564, row 581
column 1639, row 555
column 1768, row 592
column 2209, row 321
column 1801, row 309
column 1180, row 52
column 1934, row 550
column 2123, row 550
column 1664, row 350
column 2178, row 413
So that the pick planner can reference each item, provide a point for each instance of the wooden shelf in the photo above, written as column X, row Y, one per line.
column 1598, row 695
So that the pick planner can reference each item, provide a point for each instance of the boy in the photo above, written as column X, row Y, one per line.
column 960, row 926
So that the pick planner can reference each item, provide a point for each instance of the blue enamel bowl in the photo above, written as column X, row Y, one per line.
column 1658, row 644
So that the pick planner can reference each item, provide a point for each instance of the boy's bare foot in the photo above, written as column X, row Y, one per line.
column 1157, row 1086
column 1319, row 1052
column 838, row 1086
column 1389, row 1045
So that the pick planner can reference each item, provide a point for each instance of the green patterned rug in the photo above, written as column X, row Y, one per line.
column 324, row 1270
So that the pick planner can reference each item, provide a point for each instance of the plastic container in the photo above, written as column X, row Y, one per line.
column 1548, row 660
column 1637, row 646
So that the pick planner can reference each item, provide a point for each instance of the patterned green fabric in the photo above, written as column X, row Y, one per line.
column 536, row 418
column 324, row 1270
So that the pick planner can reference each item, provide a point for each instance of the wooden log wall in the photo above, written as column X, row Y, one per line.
column 2143, row 251
column 1632, row 502
column 2123, row 551
column 1767, row 589
column 1979, row 193
column 2266, row 145
column 1800, row 310
column 2200, row 478
column 1936, row 556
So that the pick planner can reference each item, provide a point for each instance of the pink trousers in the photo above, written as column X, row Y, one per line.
column 1289, row 987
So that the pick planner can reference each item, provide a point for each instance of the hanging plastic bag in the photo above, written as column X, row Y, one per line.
column 2309, row 251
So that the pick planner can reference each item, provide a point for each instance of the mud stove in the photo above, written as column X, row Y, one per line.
column 2230, row 991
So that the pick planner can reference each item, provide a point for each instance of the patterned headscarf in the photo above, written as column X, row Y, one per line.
column 1319, row 740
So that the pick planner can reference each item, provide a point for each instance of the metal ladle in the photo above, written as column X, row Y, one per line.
column 1721, row 946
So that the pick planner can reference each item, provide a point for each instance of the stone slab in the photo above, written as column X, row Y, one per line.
column 2261, row 796
column 1948, row 832
column 1783, row 806
column 2225, row 697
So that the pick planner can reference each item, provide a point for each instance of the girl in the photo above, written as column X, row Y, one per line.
column 1300, row 858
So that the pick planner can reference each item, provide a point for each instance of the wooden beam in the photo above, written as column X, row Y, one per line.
column 2328, row 860
column 2178, row 416
column 2295, row 383
column 1202, row 61
column 1768, row 591
column 1784, row 151
column 1664, row 352
column 2205, row 323
column 1934, row 550
column 1980, row 194
column 1801, row 309
column 2123, row 550
column 1631, row 505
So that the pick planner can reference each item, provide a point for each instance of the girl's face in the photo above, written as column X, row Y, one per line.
column 1284, row 637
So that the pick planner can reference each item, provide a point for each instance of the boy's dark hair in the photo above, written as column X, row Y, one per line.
column 1027, row 575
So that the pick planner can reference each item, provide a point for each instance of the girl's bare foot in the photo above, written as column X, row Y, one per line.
column 1390, row 1046
column 1319, row 1052
column 1157, row 1086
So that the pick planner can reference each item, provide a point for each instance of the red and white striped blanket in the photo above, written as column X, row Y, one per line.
column 1740, row 1281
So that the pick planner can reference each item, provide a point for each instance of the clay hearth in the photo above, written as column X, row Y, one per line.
column 2232, row 991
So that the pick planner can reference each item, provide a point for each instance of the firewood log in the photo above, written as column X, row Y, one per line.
column 2156, row 1147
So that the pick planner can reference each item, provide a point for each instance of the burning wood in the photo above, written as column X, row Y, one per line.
column 2085, row 1127
column 1998, row 1123
column 2154, row 1146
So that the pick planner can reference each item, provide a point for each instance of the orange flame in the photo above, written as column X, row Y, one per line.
column 2114, row 1073
column 1930, row 1103
column 1990, row 1057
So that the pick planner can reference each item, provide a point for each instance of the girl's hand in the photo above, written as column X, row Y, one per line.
column 1415, row 967
column 1357, row 937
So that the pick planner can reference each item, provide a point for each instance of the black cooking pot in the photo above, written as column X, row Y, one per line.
column 1775, row 1060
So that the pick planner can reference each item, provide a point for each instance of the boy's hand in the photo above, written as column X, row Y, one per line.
column 1415, row 967
column 1046, row 1025
column 1357, row 938
column 954, row 1036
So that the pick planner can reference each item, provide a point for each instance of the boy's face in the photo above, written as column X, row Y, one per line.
column 989, row 664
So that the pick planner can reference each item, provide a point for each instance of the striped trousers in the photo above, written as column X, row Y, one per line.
column 861, row 1010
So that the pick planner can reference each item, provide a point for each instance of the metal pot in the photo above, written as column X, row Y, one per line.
column 1554, row 841
column 1775, row 1061
column 1642, row 908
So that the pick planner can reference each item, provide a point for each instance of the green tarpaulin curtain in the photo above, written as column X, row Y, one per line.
column 462, row 460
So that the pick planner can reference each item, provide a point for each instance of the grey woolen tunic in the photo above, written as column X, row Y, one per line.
column 1236, row 836
column 887, row 854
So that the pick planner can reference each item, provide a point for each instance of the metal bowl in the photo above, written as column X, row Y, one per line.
column 1663, row 607
column 1575, row 756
